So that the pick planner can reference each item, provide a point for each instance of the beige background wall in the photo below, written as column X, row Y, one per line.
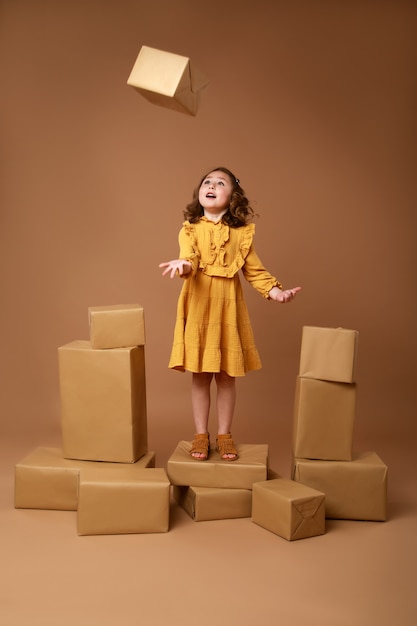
column 311, row 103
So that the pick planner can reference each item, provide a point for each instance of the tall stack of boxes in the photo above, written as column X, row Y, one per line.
column 324, row 414
column 104, row 470
column 329, row 480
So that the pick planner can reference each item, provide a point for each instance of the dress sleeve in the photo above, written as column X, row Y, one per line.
column 256, row 274
column 188, row 247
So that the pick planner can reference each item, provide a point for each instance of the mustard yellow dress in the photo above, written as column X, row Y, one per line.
column 212, row 329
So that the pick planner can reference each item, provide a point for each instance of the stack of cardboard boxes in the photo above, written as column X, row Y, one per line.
column 328, row 479
column 104, row 471
column 324, row 413
column 217, row 489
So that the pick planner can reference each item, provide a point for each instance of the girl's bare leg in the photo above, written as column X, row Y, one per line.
column 226, row 399
column 200, row 400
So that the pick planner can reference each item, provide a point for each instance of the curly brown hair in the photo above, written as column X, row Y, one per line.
column 239, row 212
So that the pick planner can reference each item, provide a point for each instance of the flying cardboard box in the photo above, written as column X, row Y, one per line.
column 167, row 79
column 116, row 326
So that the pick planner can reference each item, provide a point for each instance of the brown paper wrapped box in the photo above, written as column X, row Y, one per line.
column 272, row 474
column 354, row 489
column 288, row 509
column 167, row 79
column 324, row 417
column 328, row 354
column 103, row 403
column 46, row 480
column 211, row 503
column 117, row 326
column 250, row 467
column 122, row 502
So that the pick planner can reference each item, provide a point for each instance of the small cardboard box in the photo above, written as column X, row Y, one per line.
column 103, row 403
column 328, row 354
column 288, row 509
column 46, row 480
column 167, row 79
column 354, row 489
column 210, row 503
column 117, row 326
column 324, row 417
column 122, row 502
column 250, row 467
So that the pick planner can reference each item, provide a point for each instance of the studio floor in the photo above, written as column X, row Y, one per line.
column 218, row 572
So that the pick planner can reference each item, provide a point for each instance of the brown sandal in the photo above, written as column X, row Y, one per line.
column 226, row 446
column 200, row 445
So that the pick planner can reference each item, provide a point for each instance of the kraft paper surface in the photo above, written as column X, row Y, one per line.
column 250, row 467
column 117, row 326
column 124, row 502
column 103, row 402
column 210, row 503
column 324, row 417
column 46, row 480
column 328, row 354
column 354, row 489
column 167, row 79
column 288, row 509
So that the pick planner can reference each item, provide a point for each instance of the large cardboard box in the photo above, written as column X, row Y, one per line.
column 328, row 354
column 324, row 417
column 354, row 489
column 288, row 509
column 117, row 326
column 112, row 503
column 103, row 402
column 211, row 503
column 250, row 467
column 167, row 79
column 46, row 480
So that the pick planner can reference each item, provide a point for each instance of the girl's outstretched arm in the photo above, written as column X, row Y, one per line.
column 177, row 267
column 283, row 295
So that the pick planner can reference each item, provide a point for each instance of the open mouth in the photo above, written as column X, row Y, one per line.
column 210, row 195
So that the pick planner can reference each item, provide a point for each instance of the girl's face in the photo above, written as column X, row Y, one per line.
column 215, row 192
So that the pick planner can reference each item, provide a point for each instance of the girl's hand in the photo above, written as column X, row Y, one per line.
column 285, row 295
column 177, row 267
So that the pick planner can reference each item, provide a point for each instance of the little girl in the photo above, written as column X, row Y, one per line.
column 213, row 334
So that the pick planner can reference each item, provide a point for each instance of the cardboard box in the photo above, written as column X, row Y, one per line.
column 250, row 467
column 354, row 489
column 288, row 509
column 117, row 326
column 328, row 354
column 46, row 480
column 210, row 503
column 272, row 474
column 324, row 417
column 127, row 501
column 103, row 402
column 167, row 79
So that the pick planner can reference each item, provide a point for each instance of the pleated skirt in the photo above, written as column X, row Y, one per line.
column 212, row 331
